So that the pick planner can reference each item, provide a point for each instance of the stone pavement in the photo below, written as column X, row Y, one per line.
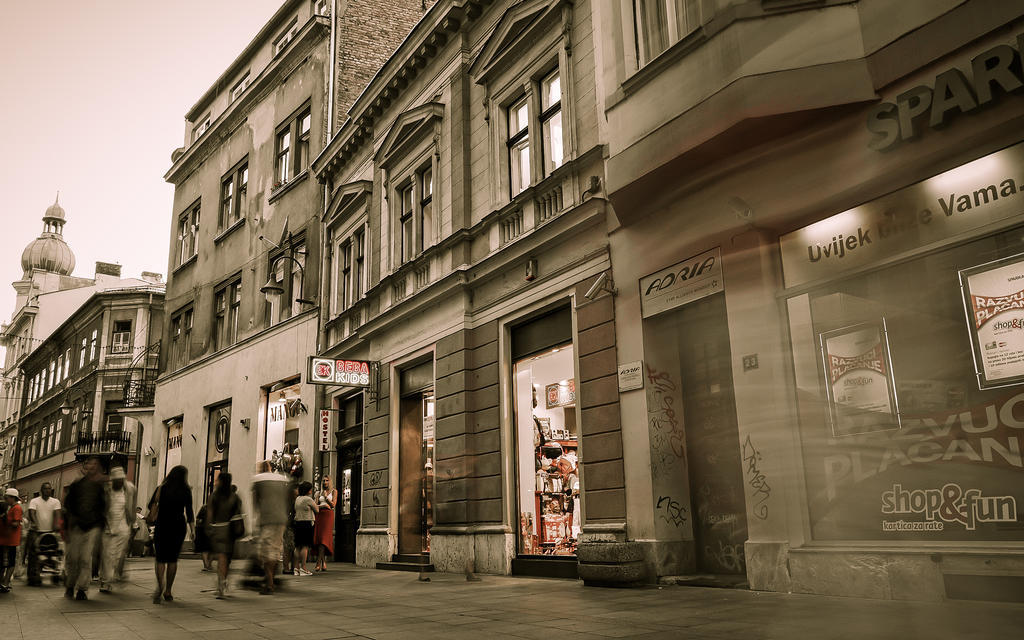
column 349, row 602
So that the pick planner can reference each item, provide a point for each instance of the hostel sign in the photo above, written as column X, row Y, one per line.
column 349, row 373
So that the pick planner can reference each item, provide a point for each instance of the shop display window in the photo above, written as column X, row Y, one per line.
column 909, row 390
column 547, row 444
column 284, row 411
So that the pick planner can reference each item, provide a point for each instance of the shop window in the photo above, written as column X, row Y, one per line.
column 662, row 23
column 909, row 392
column 172, row 457
column 217, row 443
column 547, row 463
column 283, row 410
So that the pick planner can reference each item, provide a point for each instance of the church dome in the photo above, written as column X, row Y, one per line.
column 49, row 252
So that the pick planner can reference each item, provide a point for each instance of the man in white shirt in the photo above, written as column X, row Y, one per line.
column 42, row 518
column 119, row 518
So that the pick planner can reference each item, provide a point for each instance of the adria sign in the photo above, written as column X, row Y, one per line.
column 349, row 373
column 993, row 73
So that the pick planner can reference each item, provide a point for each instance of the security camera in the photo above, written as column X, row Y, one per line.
column 603, row 283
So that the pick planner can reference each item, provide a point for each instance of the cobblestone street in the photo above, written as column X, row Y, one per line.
column 350, row 602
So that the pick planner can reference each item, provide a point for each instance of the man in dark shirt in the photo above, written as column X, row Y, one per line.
column 84, row 510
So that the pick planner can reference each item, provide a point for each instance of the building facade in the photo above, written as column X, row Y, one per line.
column 817, row 258
column 84, row 390
column 245, row 246
column 463, row 229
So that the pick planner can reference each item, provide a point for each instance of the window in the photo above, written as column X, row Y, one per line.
column 49, row 383
column 292, row 147
column 551, row 122
column 240, row 87
column 358, row 242
column 345, row 275
column 227, row 300
column 425, row 224
column 81, row 354
column 58, row 442
column 115, row 423
column 67, row 362
column 233, row 190
column 662, row 23
column 286, row 36
column 518, row 146
column 321, row 8
column 188, row 234
column 283, row 147
column 201, row 127
column 93, row 344
column 288, row 274
column 181, row 339
column 122, row 338
column 405, row 222
column 297, row 268
column 350, row 261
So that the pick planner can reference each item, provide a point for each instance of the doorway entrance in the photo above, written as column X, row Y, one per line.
column 416, row 460
column 349, row 478
column 712, row 437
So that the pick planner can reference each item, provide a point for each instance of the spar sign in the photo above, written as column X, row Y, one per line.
column 349, row 373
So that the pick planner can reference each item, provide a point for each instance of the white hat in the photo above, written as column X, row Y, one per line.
column 117, row 473
column 11, row 492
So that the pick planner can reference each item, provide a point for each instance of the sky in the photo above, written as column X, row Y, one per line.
column 93, row 94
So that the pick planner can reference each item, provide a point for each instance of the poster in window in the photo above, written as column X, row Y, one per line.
column 859, row 378
column 560, row 394
column 994, row 304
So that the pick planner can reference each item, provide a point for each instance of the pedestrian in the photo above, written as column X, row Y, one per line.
column 120, row 499
column 84, row 511
column 305, row 515
column 172, row 502
column 323, row 531
column 225, row 525
column 43, row 514
column 270, row 493
column 201, row 544
column 10, row 538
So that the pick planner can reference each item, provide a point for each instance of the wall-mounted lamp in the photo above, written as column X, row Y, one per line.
column 274, row 289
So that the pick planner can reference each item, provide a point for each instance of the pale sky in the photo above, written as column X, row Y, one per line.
column 93, row 95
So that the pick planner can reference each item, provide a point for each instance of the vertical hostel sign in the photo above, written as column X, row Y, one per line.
column 324, row 430
column 994, row 305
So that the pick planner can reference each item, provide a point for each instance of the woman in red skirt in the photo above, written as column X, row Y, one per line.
column 323, row 531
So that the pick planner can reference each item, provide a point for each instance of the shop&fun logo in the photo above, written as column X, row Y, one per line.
column 949, row 504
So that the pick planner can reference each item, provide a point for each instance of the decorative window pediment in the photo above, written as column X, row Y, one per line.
column 345, row 198
column 409, row 129
column 518, row 28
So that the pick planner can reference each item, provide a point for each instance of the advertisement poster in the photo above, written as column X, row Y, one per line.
column 859, row 381
column 560, row 394
column 994, row 303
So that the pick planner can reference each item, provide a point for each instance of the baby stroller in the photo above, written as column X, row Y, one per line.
column 47, row 559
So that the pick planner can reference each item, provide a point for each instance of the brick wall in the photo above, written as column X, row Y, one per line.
column 368, row 32
column 468, row 446
column 602, row 475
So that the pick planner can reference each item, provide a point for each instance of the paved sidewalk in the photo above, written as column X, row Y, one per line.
column 349, row 602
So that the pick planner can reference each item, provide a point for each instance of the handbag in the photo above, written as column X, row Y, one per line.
column 237, row 529
column 154, row 507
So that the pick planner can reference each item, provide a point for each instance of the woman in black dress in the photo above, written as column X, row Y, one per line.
column 174, row 511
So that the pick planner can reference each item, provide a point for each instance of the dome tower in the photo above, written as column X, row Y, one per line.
column 49, row 252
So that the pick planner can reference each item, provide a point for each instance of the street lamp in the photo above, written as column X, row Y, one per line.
column 66, row 408
column 273, row 288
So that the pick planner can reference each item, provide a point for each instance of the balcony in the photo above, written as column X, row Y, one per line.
column 139, row 393
column 109, row 444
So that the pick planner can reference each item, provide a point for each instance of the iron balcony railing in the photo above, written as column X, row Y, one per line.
column 99, row 443
column 139, row 393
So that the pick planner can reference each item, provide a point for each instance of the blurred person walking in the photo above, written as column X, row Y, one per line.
column 305, row 515
column 10, row 538
column 43, row 517
column 224, row 526
column 323, row 530
column 85, row 506
column 171, row 509
column 270, row 498
column 120, row 499
column 201, row 544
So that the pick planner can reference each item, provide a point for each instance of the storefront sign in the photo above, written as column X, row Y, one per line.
column 349, row 373
column 994, row 302
column 958, row 201
column 631, row 376
column 934, row 508
column 560, row 394
column 993, row 73
column 682, row 283
column 324, row 432
column 860, row 392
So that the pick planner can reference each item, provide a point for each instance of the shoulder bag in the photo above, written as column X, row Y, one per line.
column 154, row 507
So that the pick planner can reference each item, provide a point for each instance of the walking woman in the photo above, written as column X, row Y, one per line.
column 225, row 525
column 173, row 503
column 305, row 515
column 323, row 531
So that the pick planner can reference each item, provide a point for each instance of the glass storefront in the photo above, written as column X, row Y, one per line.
column 547, row 444
column 908, row 389
column 284, row 409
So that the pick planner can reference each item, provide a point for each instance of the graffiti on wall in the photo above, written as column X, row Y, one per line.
column 756, row 480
